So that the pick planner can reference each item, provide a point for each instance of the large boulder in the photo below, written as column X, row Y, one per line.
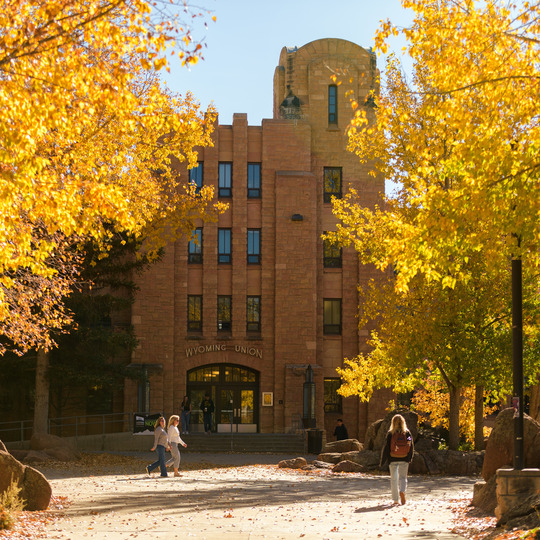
column 56, row 447
column 411, row 419
column 366, row 458
column 2, row 447
column 371, row 434
column 35, row 489
column 345, row 445
column 330, row 457
column 485, row 495
column 296, row 463
column 500, row 445
column 348, row 466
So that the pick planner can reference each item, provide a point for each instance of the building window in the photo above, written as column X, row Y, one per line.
column 225, row 180
column 254, row 180
column 332, row 104
column 253, row 314
column 99, row 400
column 332, row 400
column 332, row 183
column 332, row 316
column 195, row 247
column 196, row 176
column 224, row 246
column 224, row 313
column 331, row 254
column 194, row 315
column 254, row 246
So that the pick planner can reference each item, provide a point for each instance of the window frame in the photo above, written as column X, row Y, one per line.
column 329, row 193
column 225, row 180
column 335, row 404
column 253, row 251
column 195, row 249
column 332, row 105
column 194, row 324
column 224, row 324
column 330, row 259
column 331, row 327
column 224, row 254
column 252, row 325
column 253, row 192
column 196, row 176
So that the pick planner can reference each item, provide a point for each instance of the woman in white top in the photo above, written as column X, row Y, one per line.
column 174, row 440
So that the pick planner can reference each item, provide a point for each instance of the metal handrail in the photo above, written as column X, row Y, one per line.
column 21, row 430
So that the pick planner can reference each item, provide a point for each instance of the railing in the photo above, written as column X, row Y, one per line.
column 69, row 426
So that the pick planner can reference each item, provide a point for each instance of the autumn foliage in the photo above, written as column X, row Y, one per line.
column 88, row 131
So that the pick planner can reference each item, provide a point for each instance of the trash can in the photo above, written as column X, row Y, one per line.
column 314, row 440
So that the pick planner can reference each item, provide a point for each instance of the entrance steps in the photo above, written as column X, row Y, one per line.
column 272, row 443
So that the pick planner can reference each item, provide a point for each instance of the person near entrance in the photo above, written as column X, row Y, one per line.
column 398, row 450
column 185, row 415
column 207, row 408
column 341, row 432
column 174, row 441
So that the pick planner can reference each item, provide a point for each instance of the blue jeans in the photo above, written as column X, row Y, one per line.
column 160, row 461
column 398, row 478
column 207, row 420
column 186, row 416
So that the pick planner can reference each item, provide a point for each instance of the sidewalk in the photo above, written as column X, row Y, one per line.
column 250, row 499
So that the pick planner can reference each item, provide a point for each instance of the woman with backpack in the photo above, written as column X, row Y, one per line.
column 398, row 451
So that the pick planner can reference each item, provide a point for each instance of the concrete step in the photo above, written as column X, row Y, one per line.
column 277, row 443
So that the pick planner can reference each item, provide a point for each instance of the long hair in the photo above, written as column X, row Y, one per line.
column 172, row 419
column 398, row 424
column 158, row 421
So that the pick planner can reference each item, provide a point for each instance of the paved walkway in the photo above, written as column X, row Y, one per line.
column 249, row 500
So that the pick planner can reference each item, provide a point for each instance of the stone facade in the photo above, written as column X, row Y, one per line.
column 292, row 149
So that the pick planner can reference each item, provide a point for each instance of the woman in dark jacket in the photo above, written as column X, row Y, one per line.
column 398, row 451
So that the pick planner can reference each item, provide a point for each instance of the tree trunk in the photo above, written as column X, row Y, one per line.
column 534, row 408
column 479, row 418
column 453, row 420
column 41, row 403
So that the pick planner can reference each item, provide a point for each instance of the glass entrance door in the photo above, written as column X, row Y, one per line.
column 236, row 410
column 234, row 390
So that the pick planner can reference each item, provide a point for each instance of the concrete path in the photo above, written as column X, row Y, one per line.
column 250, row 500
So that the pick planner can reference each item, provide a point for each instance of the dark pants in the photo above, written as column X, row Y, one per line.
column 207, row 420
column 160, row 461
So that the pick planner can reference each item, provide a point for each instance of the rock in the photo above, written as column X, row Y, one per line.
column 462, row 463
column 411, row 418
column 500, row 446
column 485, row 495
column 19, row 454
column 418, row 464
column 348, row 466
column 36, row 457
column 424, row 444
column 371, row 434
column 44, row 441
column 330, row 458
column 10, row 469
column 62, row 453
column 296, row 463
column 321, row 464
column 526, row 506
column 346, row 445
column 369, row 459
column 35, row 489
column 3, row 447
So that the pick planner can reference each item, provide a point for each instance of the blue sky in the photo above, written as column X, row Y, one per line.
column 243, row 46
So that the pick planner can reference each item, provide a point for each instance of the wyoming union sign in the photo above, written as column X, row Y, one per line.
column 201, row 349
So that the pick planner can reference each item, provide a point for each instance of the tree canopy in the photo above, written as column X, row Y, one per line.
column 88, row 131
column 475, row 89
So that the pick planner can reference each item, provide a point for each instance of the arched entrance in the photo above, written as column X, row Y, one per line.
column 235, row 392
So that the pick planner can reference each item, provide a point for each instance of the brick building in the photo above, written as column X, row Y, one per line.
column 244, row 311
